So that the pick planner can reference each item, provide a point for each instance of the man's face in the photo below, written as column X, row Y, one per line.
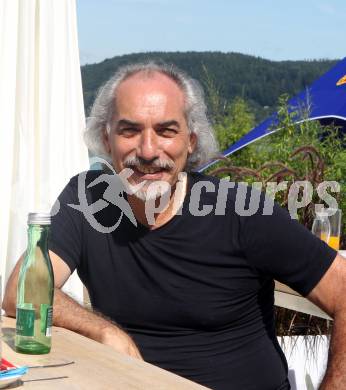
column 149, row 132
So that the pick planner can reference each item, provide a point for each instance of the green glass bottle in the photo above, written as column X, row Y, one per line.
column 35, row 290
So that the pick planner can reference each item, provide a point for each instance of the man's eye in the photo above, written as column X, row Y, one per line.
column 128, row 131
column 168, row 132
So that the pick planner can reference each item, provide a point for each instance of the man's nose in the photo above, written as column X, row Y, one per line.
column 148, row 145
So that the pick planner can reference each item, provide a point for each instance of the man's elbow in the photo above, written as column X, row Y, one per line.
column 9, row 305
column 10, row 297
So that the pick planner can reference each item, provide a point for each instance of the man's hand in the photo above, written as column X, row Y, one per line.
column 120, row 341
column 329, row 295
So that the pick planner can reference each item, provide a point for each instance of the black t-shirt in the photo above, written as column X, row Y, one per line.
column 196, row 294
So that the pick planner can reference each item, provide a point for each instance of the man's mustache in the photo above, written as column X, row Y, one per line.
column 132, row 162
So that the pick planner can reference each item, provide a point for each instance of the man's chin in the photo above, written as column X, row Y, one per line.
column 150, row 190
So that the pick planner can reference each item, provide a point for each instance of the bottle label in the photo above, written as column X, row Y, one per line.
column 46, row 319
column 25, row 324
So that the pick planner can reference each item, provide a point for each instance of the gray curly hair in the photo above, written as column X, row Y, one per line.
column 195, row 112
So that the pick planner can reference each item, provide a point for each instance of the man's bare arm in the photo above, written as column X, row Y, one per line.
column 68, row 314
column 330, row 296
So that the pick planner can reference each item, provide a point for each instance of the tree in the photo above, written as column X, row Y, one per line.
column 237, row 121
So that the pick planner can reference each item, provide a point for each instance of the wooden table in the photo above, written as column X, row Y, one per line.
column 290, row 299
column 96, row 366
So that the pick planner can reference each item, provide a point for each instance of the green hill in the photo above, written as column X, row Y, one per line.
column 257, row 80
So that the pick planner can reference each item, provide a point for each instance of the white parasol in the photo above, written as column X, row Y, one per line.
column 41, row 115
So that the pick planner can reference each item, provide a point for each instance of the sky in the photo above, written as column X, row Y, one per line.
column 272, row 29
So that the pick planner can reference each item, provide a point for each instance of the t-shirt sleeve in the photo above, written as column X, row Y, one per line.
column 66, row 227
column 281, row 247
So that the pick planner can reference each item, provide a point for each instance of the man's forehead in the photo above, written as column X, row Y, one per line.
column 156, row 92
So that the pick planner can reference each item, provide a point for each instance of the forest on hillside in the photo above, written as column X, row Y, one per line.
column 258, row 81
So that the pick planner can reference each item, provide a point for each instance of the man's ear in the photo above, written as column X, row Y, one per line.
column 192, row 143
column 105, row 140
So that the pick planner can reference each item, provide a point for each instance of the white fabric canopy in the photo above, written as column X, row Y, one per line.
column 41, row 115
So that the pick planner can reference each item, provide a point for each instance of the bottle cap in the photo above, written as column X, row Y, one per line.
column 39, row 219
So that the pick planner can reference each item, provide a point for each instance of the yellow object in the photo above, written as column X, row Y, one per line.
column 341, row 81
column 334, row 242
column 324, row 238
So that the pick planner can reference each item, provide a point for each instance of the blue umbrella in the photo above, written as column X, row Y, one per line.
column 325, row 100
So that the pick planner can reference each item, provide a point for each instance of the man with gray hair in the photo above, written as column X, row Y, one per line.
column 191, row 295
